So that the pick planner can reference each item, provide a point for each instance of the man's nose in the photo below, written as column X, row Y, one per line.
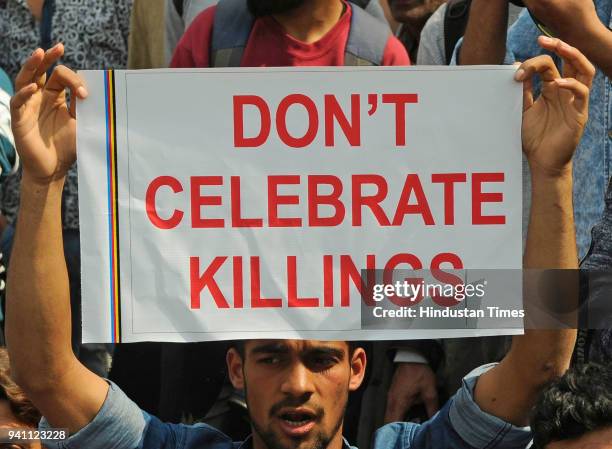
column 298, row 380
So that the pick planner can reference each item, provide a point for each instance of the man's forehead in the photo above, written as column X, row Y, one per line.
column 294, row 345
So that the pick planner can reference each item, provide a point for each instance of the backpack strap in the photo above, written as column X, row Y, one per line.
column 367, row 40
column 375, row 9
column 455, row 21
column 179, row 6
column 231, row 30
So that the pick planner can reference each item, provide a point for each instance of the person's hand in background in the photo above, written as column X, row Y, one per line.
column 412, row 383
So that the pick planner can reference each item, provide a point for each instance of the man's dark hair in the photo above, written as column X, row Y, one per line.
column 238, row 345
column 20, row 405
column 577, row 403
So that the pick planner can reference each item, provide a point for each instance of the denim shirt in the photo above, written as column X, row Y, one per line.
column 461, row 424
column 593, row 159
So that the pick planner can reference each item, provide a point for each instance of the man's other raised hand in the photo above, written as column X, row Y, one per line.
column 43, row 123
column 554, row 122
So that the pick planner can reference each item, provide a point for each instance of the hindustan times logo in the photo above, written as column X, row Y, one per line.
column 441, row 299
column 414, row 292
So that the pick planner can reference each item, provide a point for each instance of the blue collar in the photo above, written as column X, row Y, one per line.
column 248, row 443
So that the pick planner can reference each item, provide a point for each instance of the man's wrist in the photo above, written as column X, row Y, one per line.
column 557, row 185
column 550, row 174
column 32, row 187
column 34, row 184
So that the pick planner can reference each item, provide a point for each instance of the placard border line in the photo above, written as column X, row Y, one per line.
column 113, row 225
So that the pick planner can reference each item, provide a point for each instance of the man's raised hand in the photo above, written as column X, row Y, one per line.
column 43, row 124
column 553, row 124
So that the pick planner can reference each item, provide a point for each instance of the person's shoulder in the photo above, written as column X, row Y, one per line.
column 436, row 21
column 193, row 48
column 397, row 435
column 373, row 34
column 161, row 435
column 395, row 52
column 119, row 423
column 432, row 46
column 201, row 27
column 464, row 419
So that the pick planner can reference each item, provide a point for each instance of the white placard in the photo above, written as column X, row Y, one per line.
column 240, row 203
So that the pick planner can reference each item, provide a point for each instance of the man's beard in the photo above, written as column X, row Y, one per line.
column 271, row 441
column 321, row 440
column 260, row 8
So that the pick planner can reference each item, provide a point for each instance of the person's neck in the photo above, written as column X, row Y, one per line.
column 312, row 20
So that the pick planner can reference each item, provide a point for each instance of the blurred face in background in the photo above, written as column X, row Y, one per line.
column 414, row 12
column 261, row 8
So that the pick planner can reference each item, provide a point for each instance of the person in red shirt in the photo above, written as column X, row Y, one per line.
column 285, row 33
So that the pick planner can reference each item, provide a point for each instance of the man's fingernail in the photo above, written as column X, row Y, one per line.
column 519, row 74
column 82, row 92
column 547, row 40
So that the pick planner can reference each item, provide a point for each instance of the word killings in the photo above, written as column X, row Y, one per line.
column 340, row 276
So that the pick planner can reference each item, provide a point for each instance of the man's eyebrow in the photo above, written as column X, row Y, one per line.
column 270, row 348
column 328, row 351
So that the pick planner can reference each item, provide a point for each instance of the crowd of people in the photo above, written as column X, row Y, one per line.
column 547, row 388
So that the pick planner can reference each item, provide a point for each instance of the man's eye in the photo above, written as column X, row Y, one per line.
column 270, row 360
column 324, row 362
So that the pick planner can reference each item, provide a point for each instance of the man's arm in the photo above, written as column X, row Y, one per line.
column 552, row 127
column 576, row 22
column 38, row 300
column 484, row 41
column 597, row 46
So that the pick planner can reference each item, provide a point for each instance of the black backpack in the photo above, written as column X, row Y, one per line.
column 455, row 21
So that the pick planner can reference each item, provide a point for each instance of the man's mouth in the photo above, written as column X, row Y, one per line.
column 297, row 423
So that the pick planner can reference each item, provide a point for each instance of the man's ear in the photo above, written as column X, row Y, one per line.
column 358, row 368
column 234, row 368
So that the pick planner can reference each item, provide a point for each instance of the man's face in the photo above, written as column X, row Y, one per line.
column 296, row 390
column 413, row 11
column 261, row 8
column 598, row 439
